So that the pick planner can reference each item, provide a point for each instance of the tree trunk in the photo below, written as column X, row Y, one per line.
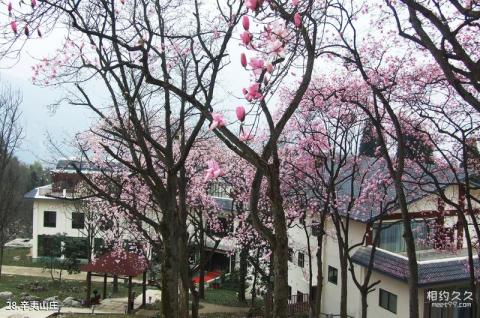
column 183, row 249
column 363, row 296
column 242, row 274
column 115, row 284
column 280, row 288
column 310, row 273
column 195, row 301
column 254, row 287
column 201, row 267
column 412, row 256
column 170, row 276
column 185, row 276
column 280, row 250
column 318, row 297
column 471, row 267
column 268, row 303
column 2, row 247
column 343, row 284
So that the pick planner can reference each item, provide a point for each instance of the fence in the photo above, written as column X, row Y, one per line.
column 298, row 304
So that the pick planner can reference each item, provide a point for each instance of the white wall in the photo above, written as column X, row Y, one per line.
column 63, row 211
column 331, row 292
column 298, row 276
column 395, row 287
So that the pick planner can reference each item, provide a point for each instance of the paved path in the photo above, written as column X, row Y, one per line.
column 39, row 272
column 4, row 313
column 110, row 305
column 213, row 308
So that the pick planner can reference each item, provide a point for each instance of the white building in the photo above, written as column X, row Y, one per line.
column 55, row 213
column 439, row 271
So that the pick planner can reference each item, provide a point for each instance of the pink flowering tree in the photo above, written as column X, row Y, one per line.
column 450, row 128
column 448, row 31
column 254, row 251
column 334, row 175
column 126, row 196
column 381, row 78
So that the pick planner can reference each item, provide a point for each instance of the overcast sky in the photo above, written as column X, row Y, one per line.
column 38, row 122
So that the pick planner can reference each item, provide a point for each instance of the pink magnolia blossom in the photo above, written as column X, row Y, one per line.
column 214, row 171
column 252, row 4
column 257, row 65
column 27, row 31
column 240, row 111
column 295, row 3
column 245, row 136
column 10, row 8
column 246, row 22
column 278, row 29
column 276, row 47
column 217, row 121
column 243, row 59
column 34, row 3
column 246, row 37
column 253, row 92
column 269, row 68
column 297, row 19
column 13, row 25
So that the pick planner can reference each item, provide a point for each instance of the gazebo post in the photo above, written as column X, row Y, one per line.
column 89, row 288
column 130, row 300
column 144, row 291
column 105, row 286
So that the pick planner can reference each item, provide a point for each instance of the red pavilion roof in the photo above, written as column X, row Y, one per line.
column 121, row 264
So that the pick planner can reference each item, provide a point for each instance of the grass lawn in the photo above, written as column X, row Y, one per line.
column 9, row 253
column 225, row 297
column 94, row 315
column 76, row 289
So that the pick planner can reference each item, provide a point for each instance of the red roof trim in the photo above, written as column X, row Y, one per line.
column 121, row 264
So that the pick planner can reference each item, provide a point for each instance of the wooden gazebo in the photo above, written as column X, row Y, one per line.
column 114, row 264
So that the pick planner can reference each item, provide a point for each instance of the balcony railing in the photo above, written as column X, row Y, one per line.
column 298, row 304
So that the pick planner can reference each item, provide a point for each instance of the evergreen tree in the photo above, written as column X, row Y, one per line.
column 369, row 141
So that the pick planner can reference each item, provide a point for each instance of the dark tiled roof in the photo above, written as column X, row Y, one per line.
column 440, row 271
column 69, row 164
column 31, row 194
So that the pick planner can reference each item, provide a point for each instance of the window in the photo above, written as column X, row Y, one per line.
column 317, row 230
column 289, row 292
column 290, row 255
column 218, row 189
column 49, row 246
column 332, row 275
column 223, row 227
column 78, row 220
column 299, row 297
column 49, row 219
column 301, row 259
column 388, row 301
column 391, row 237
